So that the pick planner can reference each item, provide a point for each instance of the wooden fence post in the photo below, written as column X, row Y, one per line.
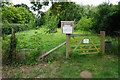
column 118, row 42
column 67, row 45
column 102, row 41
column 13, row 33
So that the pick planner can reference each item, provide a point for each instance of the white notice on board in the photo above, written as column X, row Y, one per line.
column 67, row 29
column 85, row 40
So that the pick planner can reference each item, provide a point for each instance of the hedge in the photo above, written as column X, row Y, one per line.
column 7, row 28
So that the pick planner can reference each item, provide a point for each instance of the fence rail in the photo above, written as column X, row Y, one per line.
column 75, row 35
column 51, row 51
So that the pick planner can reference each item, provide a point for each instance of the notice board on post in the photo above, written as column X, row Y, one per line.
column 67, row 27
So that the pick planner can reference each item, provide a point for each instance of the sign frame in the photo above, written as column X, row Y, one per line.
column 71, row 23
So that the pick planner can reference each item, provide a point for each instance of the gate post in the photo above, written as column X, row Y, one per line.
column 67, row 45
column 102, row 41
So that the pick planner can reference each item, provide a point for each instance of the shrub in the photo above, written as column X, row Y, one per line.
column 84, row 23
column 8, row 46
column 52, row 24
column 5, row 50
column 7, row 28
column 32, row 57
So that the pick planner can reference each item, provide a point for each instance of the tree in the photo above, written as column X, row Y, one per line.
column 37, row 6
column 5, row 3
column 15, row 15
column 107, row 18
column 23, row 5
column 65, row 11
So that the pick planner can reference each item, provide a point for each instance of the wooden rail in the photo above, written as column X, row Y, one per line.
column 84, row 45
column 75, row 35
column 51, row 51
column 25, row 50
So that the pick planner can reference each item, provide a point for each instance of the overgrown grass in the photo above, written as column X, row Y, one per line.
column 57, row 66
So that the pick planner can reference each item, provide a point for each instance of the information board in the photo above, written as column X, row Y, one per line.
column 67, row 27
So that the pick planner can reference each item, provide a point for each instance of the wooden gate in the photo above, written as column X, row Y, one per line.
column 85, row 43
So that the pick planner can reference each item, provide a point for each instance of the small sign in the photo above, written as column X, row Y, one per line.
column 85, row 40
column 67, row 27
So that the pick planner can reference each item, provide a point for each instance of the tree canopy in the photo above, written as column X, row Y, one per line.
column 107, row 18
column 15, row 15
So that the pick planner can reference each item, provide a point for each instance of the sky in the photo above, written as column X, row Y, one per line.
column 81, row 2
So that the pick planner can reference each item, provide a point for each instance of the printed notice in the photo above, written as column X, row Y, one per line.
column 67, row 29
column 85, row 40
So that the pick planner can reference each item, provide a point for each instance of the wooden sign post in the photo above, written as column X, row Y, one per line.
column 67, row 28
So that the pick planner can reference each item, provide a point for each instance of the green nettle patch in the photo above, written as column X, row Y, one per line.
column 9, row 45
column 55, row 64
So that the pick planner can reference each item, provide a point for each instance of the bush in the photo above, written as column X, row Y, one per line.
column 84, row 24
column 5, row 50
column 7, row 28
column 8, row 46
column 51, row 24
column 15, row 15
column 32, row 57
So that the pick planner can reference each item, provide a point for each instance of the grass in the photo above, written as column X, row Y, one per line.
column 100, row 66
column 56, row 65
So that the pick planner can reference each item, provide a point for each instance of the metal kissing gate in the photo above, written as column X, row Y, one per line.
column 85, row 43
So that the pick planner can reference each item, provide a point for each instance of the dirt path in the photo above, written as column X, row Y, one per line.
column 23, row 71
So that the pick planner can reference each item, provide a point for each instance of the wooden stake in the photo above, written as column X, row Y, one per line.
column 67, row 45
column 13, row 32
column 102, row 41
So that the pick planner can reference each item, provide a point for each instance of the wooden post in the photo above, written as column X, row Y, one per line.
column 13, row 32
column 67, row 45
column 3, row 36
column 118, row 42
column 102, row 41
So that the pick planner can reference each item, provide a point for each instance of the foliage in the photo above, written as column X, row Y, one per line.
column 40, row 20
column 23, row 5
column 60, row 11
column 7, row 28
column 5, row 50
column 37, row 6
column 8, row 47
column 84, row 24
column 89, row 11
column 51, row 24
column 32, row 23
column 102, row 67
column 107, row 18
column 67, row 11
column 5, row 3
column 15, row 15
column 32, row 56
